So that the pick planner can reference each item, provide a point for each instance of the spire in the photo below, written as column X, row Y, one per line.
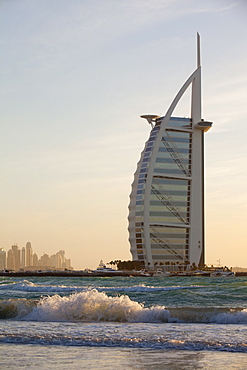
column 198, row 51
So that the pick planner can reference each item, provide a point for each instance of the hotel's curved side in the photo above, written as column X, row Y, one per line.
column 166, row 211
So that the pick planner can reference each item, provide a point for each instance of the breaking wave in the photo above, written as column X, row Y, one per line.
column 95, row 306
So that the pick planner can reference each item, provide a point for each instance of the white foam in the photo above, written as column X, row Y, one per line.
column 174, row 337
column 145, row 289
column 92, row 305
column 231, row 317
column 95, row 306
column 28, row 286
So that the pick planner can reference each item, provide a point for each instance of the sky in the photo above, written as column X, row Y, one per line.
column 75, row 77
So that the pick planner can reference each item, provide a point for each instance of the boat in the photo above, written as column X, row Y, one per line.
column 144, row 273
column 222, row 272
column 102, row 268
column 201, row 273
column 160, row 273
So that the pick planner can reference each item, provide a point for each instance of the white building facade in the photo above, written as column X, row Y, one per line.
column 166, row 211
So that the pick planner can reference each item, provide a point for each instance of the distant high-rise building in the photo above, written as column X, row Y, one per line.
column 58, row 260
column 44, row 260
column 10, row 260
column 67, row 263
column 61, row 259
column 35, row 260
column 166, row 211
column 53, row 260
column 2, row 259
column 17, row 256
column 23, row 257
column 29, row 254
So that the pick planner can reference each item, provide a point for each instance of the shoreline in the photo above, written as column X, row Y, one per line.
column 99, row 274
column 75, row 274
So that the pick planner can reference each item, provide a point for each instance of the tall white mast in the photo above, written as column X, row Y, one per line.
column 198, row 51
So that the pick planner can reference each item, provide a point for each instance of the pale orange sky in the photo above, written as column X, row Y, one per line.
column 76, row 76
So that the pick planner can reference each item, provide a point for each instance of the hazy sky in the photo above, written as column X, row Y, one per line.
column 75, row 77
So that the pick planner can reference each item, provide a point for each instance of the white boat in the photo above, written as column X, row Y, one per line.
column 201, row 273
column 222, row 272
column 160, row 273
column 144, row 273
column 102, row 268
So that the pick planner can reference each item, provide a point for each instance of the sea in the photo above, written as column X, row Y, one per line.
column 123, row 323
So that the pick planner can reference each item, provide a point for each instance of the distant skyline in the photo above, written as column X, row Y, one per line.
column 24, row 258
column 75, row 78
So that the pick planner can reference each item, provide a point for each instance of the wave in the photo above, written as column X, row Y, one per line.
column 157, row 343
column 93, row 306
column 27, row 286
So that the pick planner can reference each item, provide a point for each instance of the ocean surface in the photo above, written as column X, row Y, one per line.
column 123, row 323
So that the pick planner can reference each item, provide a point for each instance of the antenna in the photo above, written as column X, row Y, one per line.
column 198, row 51
column 150, row 118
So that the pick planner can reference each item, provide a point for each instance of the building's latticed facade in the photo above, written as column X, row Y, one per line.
column 166, row 211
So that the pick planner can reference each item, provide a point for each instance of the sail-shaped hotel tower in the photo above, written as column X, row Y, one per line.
column 166, row 211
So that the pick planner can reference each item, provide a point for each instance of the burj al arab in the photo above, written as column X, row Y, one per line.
column 166, row 210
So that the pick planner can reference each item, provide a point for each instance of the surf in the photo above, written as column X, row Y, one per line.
column 92, row 305
column 28, row 286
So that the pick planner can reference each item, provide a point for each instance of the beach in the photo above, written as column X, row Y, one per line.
column 36, row 357
column 123, row 323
